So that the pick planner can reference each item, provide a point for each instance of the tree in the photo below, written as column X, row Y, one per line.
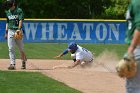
column 72, row 9
column 2, row 14
column 116, row 10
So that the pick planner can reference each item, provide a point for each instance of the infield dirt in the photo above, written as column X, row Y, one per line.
column 98, row 78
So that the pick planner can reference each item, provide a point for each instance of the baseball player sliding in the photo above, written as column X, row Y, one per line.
column 80, row 56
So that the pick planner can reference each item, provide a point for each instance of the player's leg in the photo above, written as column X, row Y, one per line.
column 133, row 84
column 11, row 46
column 20, row 45
column 73, row 57
column 88, row 63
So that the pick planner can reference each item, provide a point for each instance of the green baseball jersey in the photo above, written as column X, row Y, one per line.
column 133, row 19
column 13, row 18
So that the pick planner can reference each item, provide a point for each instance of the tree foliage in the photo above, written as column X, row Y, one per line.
column 72, row 9
column 116, row 10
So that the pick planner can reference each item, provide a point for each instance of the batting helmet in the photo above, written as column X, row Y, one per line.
column 72, row 46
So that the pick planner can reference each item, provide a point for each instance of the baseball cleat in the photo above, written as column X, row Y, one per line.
column 11, row 67
column 23, row 65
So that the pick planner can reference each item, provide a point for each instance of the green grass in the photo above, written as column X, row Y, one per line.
column 31, row 82
column 49, row 50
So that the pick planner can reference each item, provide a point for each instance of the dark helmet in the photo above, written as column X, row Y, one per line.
column 13, row 1
column 72, row 46
column 8, row 4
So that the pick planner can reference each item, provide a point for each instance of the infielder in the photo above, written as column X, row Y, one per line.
column 14, row 25
column 133, row 39
column 80, row 55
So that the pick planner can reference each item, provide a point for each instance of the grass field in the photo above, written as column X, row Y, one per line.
column 34, row 82
column 49, row 50
column 31, row 82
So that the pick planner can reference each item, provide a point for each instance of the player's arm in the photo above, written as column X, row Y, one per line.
column 59, row 56
column 21, row 18
column 74, row 64
column 20, row 24
column 62, row 54
column 136, row 36
column 6, row 29
column 135, row 41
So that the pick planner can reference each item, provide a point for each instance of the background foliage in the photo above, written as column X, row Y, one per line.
column 72, row 9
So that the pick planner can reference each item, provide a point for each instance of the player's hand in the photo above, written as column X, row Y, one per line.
column 17, row 31
column 57, row 56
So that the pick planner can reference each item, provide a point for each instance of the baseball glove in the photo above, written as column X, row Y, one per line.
column 127, row 67
column 18, row 35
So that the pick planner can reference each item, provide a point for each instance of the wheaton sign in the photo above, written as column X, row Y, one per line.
column 67, row 31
